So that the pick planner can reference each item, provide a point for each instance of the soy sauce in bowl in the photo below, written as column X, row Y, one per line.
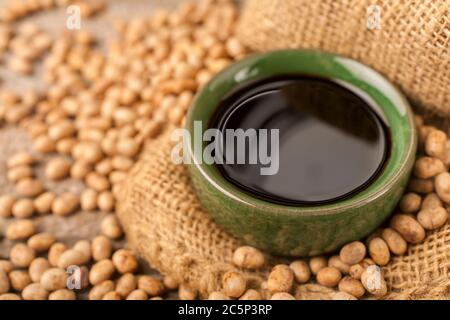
column 332, row 143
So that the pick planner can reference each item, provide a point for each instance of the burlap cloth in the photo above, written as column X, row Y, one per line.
column 163, row 219
column 167, row 226
column 411, row 47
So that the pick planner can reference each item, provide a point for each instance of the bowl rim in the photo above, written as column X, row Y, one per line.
column 231, row 191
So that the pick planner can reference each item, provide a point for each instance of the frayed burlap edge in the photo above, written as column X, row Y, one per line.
column 166, row 225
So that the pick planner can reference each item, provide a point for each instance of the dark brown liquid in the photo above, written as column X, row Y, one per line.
column 331, row 142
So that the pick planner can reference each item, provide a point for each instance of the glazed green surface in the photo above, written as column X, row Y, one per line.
column 301, row 231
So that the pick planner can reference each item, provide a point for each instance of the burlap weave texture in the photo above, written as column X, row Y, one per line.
column 167, row 226
column 411, row 48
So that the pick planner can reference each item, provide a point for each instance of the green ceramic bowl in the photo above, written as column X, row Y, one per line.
column 305, row 231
